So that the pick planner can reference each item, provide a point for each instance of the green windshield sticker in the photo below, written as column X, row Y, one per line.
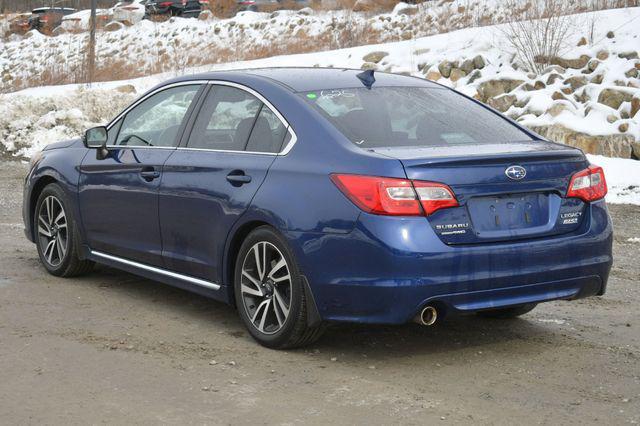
column 311, row 95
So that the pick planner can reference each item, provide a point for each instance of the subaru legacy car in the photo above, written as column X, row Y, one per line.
column 307, row 196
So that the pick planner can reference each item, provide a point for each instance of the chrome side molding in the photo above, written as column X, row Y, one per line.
column 181, row 277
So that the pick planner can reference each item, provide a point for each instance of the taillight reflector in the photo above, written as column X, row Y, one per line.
column 395, row 197
column 588, row 184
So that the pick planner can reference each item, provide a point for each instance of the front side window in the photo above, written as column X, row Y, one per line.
column 156, row 120
column 411, row 116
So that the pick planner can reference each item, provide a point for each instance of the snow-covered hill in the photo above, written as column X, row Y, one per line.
column 590, row 99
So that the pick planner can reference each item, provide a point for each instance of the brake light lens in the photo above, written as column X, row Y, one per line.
column 165, row 4
column 395, row 197
column 588, row 184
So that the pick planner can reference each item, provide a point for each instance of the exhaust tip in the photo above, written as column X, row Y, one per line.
column 428, row 316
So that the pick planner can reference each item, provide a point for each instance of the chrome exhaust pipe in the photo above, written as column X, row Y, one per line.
column 427, row 316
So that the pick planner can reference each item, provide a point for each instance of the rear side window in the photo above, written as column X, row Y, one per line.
column 232, row 119
column 267, row 134
column 411, row 116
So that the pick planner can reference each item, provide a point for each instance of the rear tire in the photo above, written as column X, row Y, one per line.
column 56, row 234
column 269, row 292
column 506, row 313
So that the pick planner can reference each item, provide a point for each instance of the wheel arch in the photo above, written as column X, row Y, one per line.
column 233, row 247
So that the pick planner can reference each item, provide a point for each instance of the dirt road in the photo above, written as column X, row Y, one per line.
column 114, row 348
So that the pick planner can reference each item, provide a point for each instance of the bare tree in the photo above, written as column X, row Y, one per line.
column 540, row 35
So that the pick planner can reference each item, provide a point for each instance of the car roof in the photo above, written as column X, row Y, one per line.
column 299, row 79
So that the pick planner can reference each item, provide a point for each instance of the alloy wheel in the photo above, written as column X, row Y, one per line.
column 266, row 287
column 53, row 235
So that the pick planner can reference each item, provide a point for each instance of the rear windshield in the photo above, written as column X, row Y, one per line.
column 411, row 116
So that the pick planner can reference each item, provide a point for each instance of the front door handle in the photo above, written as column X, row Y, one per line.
column 237, row 178
column 149, row 174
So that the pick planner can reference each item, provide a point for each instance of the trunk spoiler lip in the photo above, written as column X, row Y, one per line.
column 558, row 152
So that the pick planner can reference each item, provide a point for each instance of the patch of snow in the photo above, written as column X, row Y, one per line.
column 623, row 178
column 552, row 321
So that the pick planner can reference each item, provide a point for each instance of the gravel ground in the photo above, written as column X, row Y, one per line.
column 114, row 348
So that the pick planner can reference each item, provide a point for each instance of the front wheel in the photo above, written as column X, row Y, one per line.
column 506, row 313
column 56, row 234
column 269, row 292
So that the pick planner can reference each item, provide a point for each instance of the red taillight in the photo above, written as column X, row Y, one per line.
column 395, row 197
column 588, row 184
column 204, row 1
column 165, row 4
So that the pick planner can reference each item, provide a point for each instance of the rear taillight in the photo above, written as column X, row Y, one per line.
column 395, row 197
column 588, row 184
column 165, row 4
column 204, row 1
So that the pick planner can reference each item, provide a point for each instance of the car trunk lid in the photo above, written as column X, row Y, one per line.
column 527, row 202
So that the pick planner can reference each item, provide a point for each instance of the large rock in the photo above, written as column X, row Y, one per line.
column 576, row 82
column 374, row 57
column 433, row 76
column 445, row 68
column 126, row 88
column 478, row 62
column 628, row 55
column 617, row 145
column 493, row 88
column 614, row 98
column 558, row 108
column 467, row 66
column 113, row 26
column 577, row 63
column 553, row 77
column 631, row 73
column 502, row 103
column 457, row 74
column 474, row 76
column 635, row 107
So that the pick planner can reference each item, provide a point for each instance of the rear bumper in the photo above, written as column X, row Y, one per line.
column 388, row 268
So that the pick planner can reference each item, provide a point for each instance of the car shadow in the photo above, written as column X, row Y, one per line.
column 379, row 342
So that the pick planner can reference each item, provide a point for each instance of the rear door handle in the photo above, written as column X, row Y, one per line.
column 149, row 174
column 237, row 177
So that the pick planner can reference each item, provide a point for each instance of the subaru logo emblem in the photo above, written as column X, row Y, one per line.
column 515, row 172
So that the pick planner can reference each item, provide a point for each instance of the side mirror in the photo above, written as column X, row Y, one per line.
column 95, row 137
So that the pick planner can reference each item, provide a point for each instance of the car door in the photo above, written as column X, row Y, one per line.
column 118, row 195
column 210, row 182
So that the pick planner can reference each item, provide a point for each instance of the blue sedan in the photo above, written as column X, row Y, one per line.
column 305, row 196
